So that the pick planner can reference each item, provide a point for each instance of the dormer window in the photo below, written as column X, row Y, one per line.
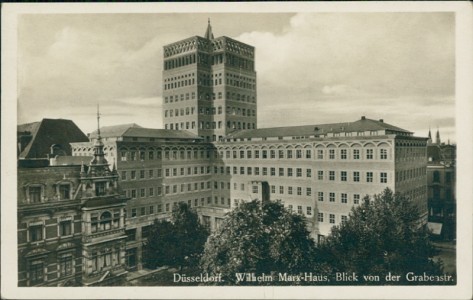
column 64, row 191
column 35, row 194
column 100, row 188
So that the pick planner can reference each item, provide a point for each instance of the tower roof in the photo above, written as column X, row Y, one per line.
column 208, row 33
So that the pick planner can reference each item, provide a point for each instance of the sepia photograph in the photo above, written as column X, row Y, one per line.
column 236, row 151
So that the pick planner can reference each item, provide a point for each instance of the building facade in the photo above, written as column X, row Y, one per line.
column 209, row 86
column 441, row 178
column 71, row 223
column 158, row 168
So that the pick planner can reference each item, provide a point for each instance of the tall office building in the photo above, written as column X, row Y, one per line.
column 209, row 86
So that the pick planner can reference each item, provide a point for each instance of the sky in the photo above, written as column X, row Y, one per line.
column 312, row 68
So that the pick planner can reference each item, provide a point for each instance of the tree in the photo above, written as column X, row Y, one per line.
column 259, row 238
column 177, row 243
column 381, row 235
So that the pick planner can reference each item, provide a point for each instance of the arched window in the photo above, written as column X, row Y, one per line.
column 106, row 221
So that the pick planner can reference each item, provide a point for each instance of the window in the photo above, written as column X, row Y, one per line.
column 273, row 153
column 151, row 173
column 123, row 175
column 281, row 153
column 255, row 189
column 343, row 176
column 343, row 154
column 281, row 190
column 133, row 212
column 151, row 192
column 256, row 153
column 64, row 191
column 281, row 171
column 331, row 175
column 298, row 153
column 34, row 193
column 133, row 175
column 298, row 172
column 309, row 211
column 309, row 172
column 151, row 210
column 332, row 197
column 344, row 218
column 299, row 209
column 309, row 191
column 299, row 191
column 143, row 211
column 356, row 153
column 384, row 177
column 289, row 207
column 308, row 154
column 331, row 153
column 320, row 154
column 383, row 153
column 332, row 219
column 320, row 196
column 369, row 176
column 265, row 171
column 65, row 265
column 248, row 153
column 36, row 272
column 273, row 189
column 320, row 217
column 273, row 171
column 369, row 153
column 289, row 172
column 145, row 231
column 356, row 176
column 36, row 233
column 356, row 199
column 320, row 175
column 265, row 154
column 106, row 221
column 142, row 193
column 65, row 228
column 344, row 198
column 289, row 153
column 289, row 190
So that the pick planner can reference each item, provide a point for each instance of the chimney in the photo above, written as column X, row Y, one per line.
column 381, row 120
column 363, row 117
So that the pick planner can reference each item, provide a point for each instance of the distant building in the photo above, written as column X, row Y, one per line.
column 71, row 223
column 441, row 176
column 47, row 138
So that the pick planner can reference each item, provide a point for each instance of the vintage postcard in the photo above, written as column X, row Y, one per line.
column 251, row 150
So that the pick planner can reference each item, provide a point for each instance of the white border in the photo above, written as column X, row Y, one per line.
column 464, row 128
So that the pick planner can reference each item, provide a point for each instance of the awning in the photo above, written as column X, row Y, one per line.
column 436, row 228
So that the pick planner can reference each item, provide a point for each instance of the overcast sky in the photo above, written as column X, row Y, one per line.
column 311, row 68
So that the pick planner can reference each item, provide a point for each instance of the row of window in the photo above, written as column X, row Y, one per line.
column 209, row 96
column 308, row 210
column 37, row 232
column 35, row 193
column 343, row 176
column 331, row 218
column 331, row 154
column 410, row 174
column 185, row 111
column 37, row 269
column 174, row 189
column 209, row 125
column 169, row 172
column 134, row 155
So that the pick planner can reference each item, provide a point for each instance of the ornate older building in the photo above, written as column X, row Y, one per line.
column 71, row 222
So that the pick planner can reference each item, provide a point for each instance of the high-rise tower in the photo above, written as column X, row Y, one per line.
column 209, row 86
